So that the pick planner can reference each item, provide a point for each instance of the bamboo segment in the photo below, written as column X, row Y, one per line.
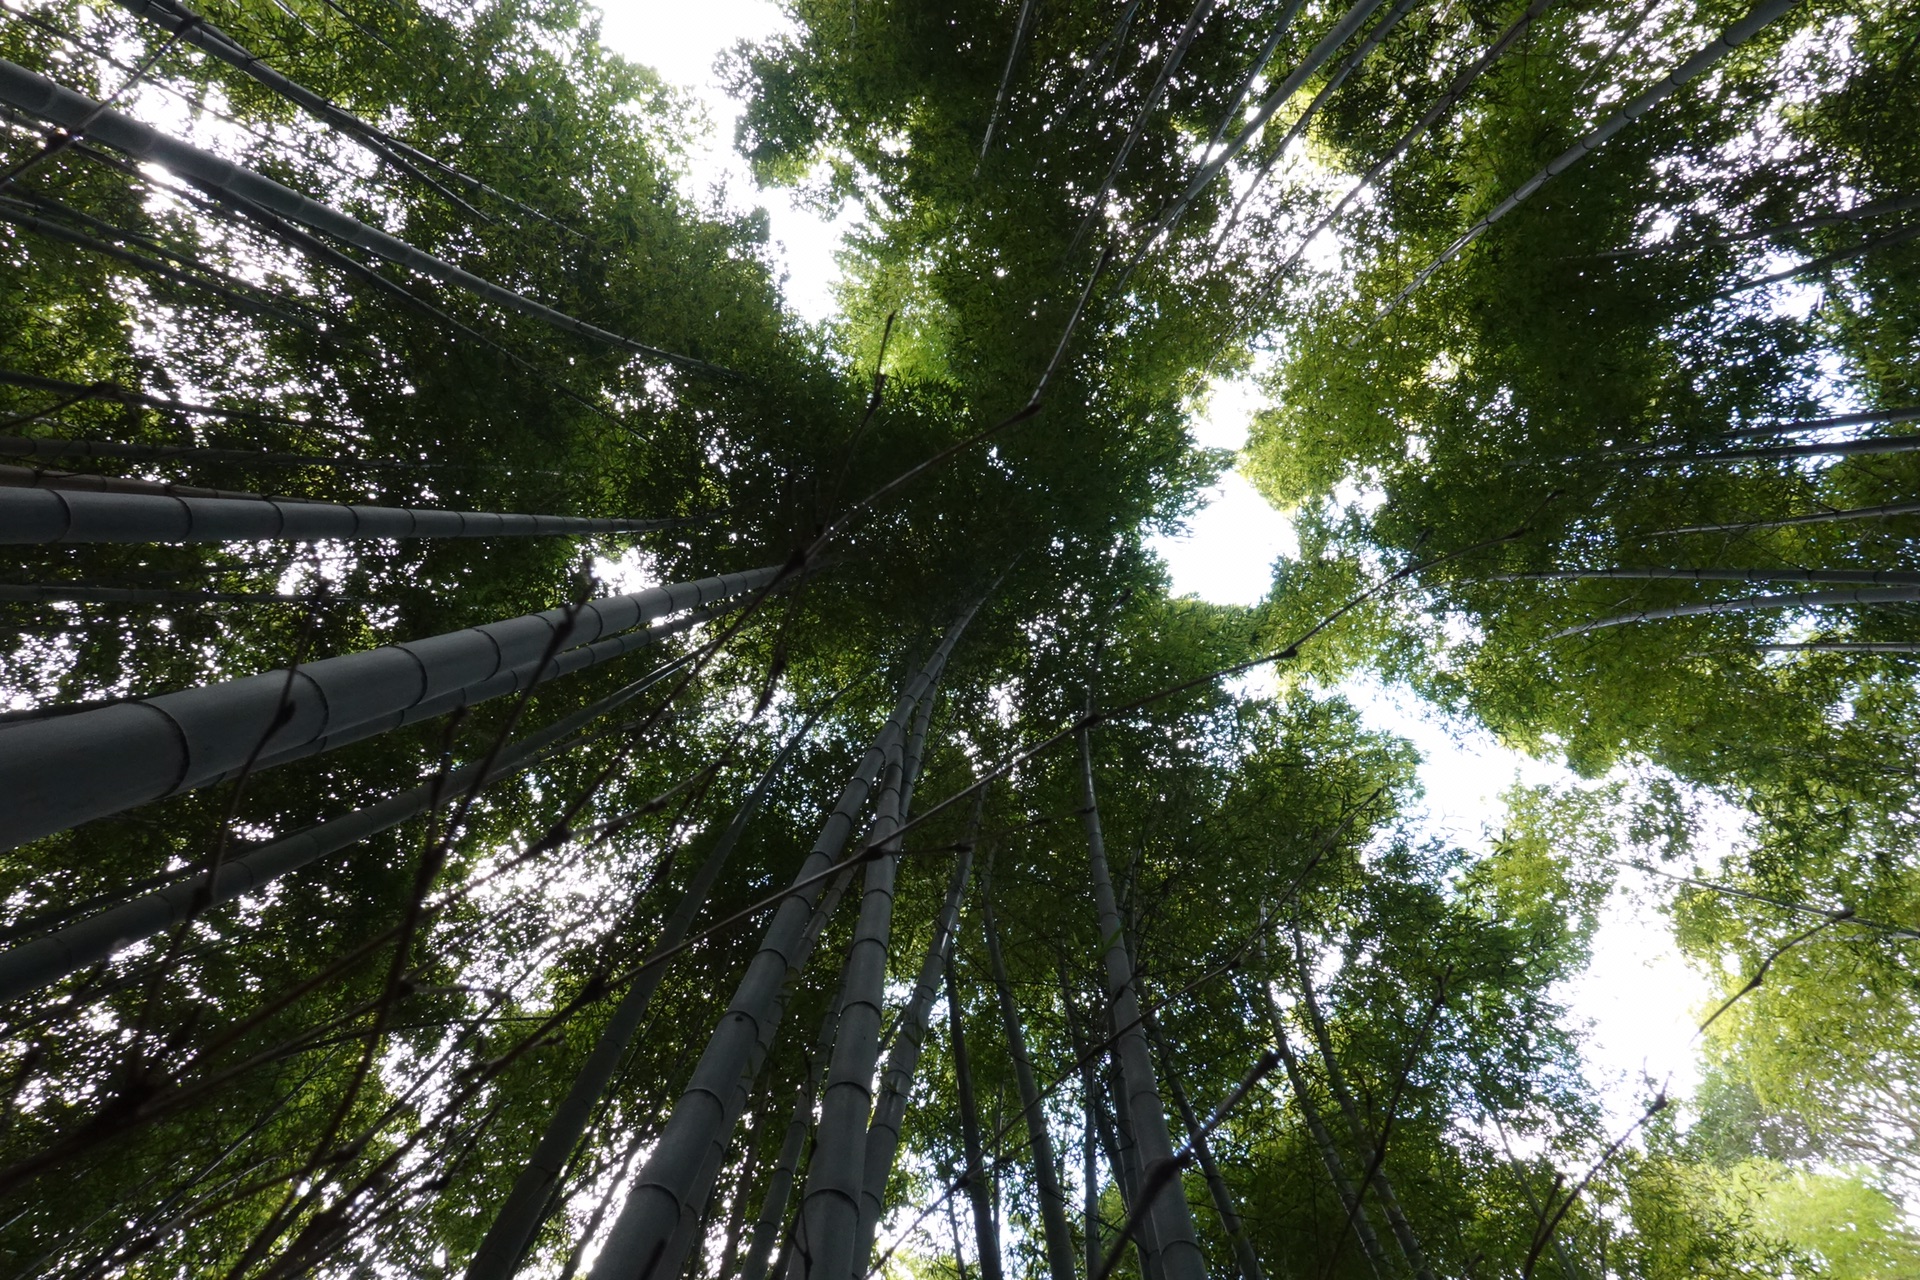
column 883, row 1133
column 666, row 1187
column 59, row 773
column 1172, row 1221
column 36, row 95
column 519, row 1218
column 33, row 965
column 70, row 514
column 1046, row 1178
column 825, row 1239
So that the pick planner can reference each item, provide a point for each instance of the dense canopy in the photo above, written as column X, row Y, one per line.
column 523, row 756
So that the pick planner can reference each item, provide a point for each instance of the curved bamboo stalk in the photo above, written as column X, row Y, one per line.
column 665, row 1189
column 1168, row 1215
column 70, row 514
column 35, row 964
column 62, row 772
column 1889, row 240
column 214, row 282
column 38, row 96
column 1868, row 418
column 523, row 677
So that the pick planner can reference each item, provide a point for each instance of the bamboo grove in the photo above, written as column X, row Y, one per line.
column 523, row 757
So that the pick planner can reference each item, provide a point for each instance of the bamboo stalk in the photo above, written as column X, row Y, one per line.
column 514, row 1226
column 47, row 959
column 826, row 1236
column 910, row 1033
column 664, row 1190
column 1168, row 1214
column 78, row 511
column 1363, row 1141
column 38, row 96
column 1046, row 1178
column 986, row 1239
column 61, row 772
column 1762, row 15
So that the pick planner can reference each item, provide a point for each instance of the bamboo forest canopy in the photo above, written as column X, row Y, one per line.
column 522, row 756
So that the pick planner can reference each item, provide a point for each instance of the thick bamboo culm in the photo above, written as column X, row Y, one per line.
column 32, row 965
column 60, row 772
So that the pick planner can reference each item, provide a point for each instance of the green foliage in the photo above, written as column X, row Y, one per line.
column 344, row 1072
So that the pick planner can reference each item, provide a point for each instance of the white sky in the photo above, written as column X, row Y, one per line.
column 1642, row 998
column 681, row 41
